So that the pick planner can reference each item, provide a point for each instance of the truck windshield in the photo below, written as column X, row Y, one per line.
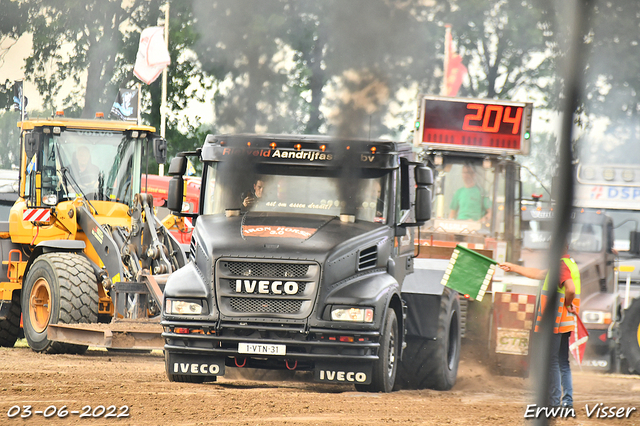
column 305, row 190
column 624, row 222
column 585, row 237
column 104, row 165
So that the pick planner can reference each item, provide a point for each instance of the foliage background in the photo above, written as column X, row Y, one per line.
column 352, row 67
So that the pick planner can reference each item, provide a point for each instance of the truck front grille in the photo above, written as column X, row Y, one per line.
column 251, row 289
column 267, row 306
column 272, row 270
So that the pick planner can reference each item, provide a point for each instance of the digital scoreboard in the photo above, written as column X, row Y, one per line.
column 491, row 126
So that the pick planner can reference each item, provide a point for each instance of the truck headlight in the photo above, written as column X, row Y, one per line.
column 596, row 317
column 352, row 314
column 183, row 307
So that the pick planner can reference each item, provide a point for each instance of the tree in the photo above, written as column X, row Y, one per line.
column 69, row 38
column 184, row 73
column 99, row 40
column 333, row 45
column 506, row 45
column 13, row 21
column 239, row 43
column 612, row 88
column 365, row 50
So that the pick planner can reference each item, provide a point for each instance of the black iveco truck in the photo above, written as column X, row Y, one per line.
column 297, row 262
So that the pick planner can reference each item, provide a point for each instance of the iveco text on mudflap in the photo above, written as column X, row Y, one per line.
column 298, row 259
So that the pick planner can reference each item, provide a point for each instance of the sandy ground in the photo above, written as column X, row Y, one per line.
column 138, row 383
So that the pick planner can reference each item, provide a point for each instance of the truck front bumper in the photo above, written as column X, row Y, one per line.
column 304, row 346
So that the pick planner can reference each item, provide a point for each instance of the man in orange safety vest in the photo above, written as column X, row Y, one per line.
column 566, row 310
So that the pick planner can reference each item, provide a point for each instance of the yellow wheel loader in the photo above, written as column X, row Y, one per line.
column 84, row 259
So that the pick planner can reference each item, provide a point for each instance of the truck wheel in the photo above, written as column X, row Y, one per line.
column 59, row 288
column 386, row 367
column 630, row 337
column 10, row 326
column 185, row 378
column 434, row 363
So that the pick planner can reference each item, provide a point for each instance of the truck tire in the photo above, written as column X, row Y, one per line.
column 60, row 288
column 434, row 363
column 630, row 338
column 10, row 326
column 385, row 368
column 185, row 378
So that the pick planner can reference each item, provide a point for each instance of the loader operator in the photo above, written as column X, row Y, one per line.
column 86, row 172
column 469, row 202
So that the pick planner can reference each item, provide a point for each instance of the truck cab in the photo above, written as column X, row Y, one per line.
column 297, row 259
column 613, row 316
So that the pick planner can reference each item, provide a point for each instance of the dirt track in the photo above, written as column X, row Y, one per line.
column 139, row 382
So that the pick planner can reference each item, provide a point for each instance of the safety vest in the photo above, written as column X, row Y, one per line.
column 565, row 321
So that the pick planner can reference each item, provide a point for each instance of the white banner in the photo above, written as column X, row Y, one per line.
column 153, row 55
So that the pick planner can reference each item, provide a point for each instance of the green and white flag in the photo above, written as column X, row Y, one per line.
column 469, row 273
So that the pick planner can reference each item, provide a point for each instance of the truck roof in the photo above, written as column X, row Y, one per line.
column 577, row 215
column 250, row 137
column 305, row 150
column 82, row 123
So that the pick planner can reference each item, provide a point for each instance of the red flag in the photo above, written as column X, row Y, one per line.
column 454, row 68
column 578, row 340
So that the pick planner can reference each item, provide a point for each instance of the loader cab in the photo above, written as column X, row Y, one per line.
column 66, row 159
column 477, row 199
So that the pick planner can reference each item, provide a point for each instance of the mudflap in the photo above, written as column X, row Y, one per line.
column 195, row 365
column 350, row 373
column 599, row 353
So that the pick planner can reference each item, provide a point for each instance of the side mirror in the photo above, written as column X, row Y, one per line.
column 160, row 150
column 424, row 175
column 178, row 166
column 423, row 204
column 634, row 243
column 32, row 142
column 424, row 179
column 175, row 195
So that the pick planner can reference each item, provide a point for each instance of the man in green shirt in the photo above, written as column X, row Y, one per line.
column 469, row 202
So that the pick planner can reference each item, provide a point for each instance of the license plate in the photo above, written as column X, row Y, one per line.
column 261, row 349
column 512, row 341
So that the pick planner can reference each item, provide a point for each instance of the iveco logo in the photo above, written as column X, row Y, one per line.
column 266, row 287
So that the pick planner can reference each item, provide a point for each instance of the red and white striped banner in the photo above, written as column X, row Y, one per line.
column 36, row 215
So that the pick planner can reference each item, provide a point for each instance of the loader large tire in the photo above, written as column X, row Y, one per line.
column 60, row 288
column 630, row 338
column 10, row 326
column 434, row 363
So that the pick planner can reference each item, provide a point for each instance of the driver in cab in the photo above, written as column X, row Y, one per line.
column 469, row 202
column 254, row 195
column 86, row 171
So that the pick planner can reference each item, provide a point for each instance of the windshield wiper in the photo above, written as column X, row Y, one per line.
column 101, row 186
column 66, row 173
